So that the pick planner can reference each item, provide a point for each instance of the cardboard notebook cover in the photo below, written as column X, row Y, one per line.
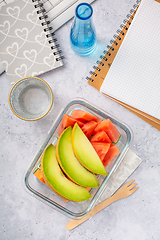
column 99, row 74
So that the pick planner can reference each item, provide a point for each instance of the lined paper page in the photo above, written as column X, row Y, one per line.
column 134, row 77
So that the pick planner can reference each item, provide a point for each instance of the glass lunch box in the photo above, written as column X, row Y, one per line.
column 40, row 190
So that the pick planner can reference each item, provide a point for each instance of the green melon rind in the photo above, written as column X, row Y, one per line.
column 117, row 139
column 56, row 180
column 85, row 152
column 70, row 164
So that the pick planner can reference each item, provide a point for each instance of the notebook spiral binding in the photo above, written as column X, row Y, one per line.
column 51, row 35
column 116, row 37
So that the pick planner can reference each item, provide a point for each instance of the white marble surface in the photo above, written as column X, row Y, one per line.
column 24, row 217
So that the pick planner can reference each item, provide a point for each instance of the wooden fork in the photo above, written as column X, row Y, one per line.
column 125, row 191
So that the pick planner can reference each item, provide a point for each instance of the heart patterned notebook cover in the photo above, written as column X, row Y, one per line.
column 27, row 46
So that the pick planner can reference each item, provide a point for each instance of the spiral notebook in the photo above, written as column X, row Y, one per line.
column 129, row 72
column 60, row 11
column 27, row 45
column 57, row 12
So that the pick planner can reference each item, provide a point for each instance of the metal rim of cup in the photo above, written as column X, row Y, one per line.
column 34, row 119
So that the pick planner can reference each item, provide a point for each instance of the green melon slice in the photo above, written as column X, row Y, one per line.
column 57, row 181
column 70, row 164
column 85, row 152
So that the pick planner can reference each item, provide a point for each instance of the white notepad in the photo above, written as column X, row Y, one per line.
column 134, row 77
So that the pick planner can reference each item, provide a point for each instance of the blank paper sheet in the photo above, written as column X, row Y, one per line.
column 134, row 76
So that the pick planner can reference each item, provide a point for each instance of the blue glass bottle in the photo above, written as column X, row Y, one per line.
column 82, row 35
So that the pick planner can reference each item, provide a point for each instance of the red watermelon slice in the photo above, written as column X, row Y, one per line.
column 112, row 152
column 101, row 148
column 84, row 116
column 68, row 121
column 100, row 137
column 109, row 128
column 88, row 128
